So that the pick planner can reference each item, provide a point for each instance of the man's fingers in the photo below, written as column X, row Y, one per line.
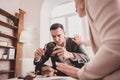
column 58, row 51
column 40, row 52
column 56, row 47
column 67, row 69
column 74, row 40
column 62, row 67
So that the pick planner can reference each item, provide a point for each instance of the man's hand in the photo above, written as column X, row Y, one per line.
column 77, row 39
column 61, row 51
column 38, row 53
column 67, row 69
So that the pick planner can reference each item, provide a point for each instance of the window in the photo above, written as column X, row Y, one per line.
column 66, row 15
column 75, row 26
column 63, row 9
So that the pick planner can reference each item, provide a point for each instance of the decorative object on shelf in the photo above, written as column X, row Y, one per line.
column 10, row 22
column 13, row 21
column 11, row 53
column 5, row 54
column 3, row 43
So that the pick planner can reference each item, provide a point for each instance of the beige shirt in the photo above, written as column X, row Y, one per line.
column 104, row 25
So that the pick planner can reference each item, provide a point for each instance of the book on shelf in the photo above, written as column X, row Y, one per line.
column 11, row 53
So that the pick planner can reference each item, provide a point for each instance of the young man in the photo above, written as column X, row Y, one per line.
column 104, row 25
column 63, row 49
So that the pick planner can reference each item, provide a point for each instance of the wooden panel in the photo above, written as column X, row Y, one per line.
column 7, row 36
column 19, row 45
column 6, row 71
column 8, row 25
column 13, row 63
column 5, row 13
column 6, row 47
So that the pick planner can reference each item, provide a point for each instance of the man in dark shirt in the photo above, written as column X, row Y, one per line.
column 63, row 49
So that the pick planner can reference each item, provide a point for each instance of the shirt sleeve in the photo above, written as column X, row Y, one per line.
column 80, row 56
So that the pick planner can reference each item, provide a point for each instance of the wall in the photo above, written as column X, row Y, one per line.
column 11, row 6
column 32, row 24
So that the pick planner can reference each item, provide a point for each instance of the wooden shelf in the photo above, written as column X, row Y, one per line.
column 8, row 25
column 6, row 71
column 6, row 47
column 18, row 21
column 4, row 13
column 7, row 36
column 7, row 59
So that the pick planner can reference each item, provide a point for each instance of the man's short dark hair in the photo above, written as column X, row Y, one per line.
column 56, row 26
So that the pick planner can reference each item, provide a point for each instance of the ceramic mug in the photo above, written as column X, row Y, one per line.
column 4, row 56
